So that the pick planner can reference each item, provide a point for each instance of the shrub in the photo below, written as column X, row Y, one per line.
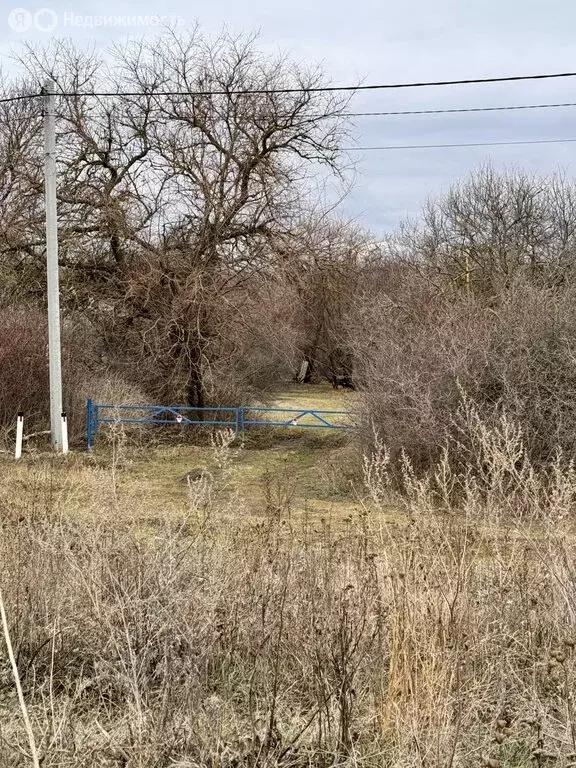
column 24, row 378
column 420, row 349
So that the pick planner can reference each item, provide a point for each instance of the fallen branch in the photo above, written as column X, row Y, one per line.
column 36, row 434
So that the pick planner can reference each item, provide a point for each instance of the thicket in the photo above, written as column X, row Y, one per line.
column 197, row 264
column 475, row 301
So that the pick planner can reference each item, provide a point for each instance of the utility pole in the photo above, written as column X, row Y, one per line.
column 54, row 354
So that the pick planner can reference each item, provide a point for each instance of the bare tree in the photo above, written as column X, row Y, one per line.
column 494, row 227
column 21, row 230
column 170, row 203
column 104, row 196
column 237, row 161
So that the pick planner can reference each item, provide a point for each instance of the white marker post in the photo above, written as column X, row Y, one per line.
column 64, row 433
column 19, row 436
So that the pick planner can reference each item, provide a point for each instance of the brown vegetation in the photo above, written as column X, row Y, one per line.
column 462, row 304
column 443, row 638
column 435, row 626
column 175, row 212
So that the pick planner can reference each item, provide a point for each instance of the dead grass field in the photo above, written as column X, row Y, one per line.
column 273, row 613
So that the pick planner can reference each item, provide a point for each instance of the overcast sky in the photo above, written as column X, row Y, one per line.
column 378, row 41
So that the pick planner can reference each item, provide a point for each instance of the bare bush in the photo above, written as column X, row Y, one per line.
column 24, row 365
column 415, row 350
column 477, row 298
column 419, row 349
column 24, row 384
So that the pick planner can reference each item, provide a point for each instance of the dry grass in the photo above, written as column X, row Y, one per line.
column 150, row 484
column 320, row 466
column 238, row 634
column 321, row 397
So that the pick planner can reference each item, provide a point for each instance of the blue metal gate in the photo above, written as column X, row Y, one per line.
column 238, row 419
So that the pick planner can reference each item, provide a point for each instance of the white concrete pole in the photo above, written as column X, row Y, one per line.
column 54, row 353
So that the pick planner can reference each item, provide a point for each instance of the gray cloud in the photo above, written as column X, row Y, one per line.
column 384, row 41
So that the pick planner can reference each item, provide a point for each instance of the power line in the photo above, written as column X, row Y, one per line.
column 24, row 96
column 304, row 89
column 321, row 89
column 450, row 146
column 457, row 111
column 451, row 111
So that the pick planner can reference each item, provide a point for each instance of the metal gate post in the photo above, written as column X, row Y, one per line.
column 89, row 425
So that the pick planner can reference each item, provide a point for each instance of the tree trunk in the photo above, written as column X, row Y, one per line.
column 195, row 388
